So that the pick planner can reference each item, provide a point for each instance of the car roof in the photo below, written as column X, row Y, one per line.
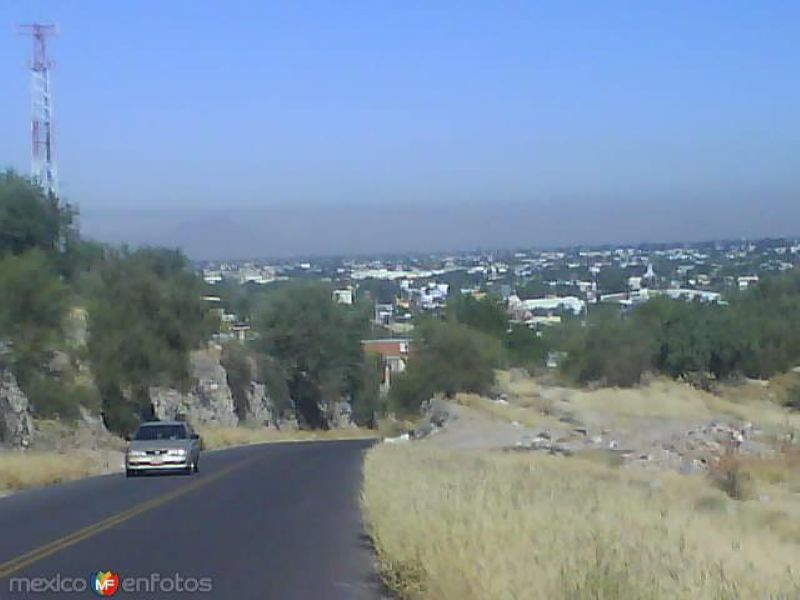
column 157, row 423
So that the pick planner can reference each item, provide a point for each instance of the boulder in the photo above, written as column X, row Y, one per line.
column 258, row 405
column 16, row 423
column 208, row 402
column 342, row 415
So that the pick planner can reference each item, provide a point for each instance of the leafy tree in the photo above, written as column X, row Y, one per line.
column 317, row 343
column 487, row 314
column 611, row 280
column 380, row 291
column 239, row 369
column 30, row 218
column 145, row 315
column 33, row 304
column 366, row 397
column 271, row 373
column 610, row 350
column 449, row 358
column 525, row 348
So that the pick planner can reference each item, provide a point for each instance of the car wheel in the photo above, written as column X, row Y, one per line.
column 190, row 468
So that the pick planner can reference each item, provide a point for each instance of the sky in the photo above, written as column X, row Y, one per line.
column 241, row 129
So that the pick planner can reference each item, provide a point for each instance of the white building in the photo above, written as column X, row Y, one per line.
column 343, row 296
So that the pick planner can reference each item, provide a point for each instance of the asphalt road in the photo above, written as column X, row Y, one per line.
column 268, row 521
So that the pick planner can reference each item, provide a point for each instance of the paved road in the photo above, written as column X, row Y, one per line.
column 270, row 521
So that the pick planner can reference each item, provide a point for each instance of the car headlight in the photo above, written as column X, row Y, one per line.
column 176, row 452
column 136, row 453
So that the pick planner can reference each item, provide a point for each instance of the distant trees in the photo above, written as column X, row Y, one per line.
column 756, row 335
column 449, row 357
column 487, row 314
column 316, row 345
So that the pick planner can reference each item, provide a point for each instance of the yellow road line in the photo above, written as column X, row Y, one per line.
column 24, row 560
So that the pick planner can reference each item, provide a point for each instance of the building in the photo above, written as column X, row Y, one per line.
column 552, row 304
column 394, row 352
column 343, row 296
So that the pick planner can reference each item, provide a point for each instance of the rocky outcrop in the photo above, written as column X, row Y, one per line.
column 209, row 401
column 258, row 405
column 16, row 423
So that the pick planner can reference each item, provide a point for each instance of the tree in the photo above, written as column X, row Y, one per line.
column 317, row 343
column 525, row 348
column 609, row 350
column 145, row 314
column 271, row 373
column 33, row 304
column 31, row 218
column 366, row 395
column 239, row 370
column 449, row 358
column 487, row 314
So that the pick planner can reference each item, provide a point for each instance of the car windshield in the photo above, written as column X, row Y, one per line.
column 161, row 432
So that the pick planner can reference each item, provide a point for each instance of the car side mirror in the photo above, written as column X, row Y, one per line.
column 195, row 436
column 128, row 438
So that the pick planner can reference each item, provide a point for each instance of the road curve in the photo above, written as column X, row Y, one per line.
column 267, row 521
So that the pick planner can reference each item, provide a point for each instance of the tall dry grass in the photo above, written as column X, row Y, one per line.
column 224, row 437
column 491, row 525
column 20, row 470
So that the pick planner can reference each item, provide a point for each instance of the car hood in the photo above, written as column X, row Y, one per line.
column 159, row 444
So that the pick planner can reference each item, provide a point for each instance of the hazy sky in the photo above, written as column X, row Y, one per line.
column 259, row 128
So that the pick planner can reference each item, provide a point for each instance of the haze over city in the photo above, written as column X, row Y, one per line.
column 242, row 129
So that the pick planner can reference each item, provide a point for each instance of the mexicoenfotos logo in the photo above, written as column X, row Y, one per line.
column 104, row 583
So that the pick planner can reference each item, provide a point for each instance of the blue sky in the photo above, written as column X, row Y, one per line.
column 631, row 114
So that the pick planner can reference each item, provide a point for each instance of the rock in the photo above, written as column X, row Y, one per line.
column 559, row 449
column 437, row 412
column 581, row 431
column 16, row 423
column 424, row 430
column 259, row 408
column 208, row 402
column 342, row 415
column 398, row 440
column 59, row 362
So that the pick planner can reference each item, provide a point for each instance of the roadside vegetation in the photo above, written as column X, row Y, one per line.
column 35, row 469
column 497, row 525
column 71, row 307
column 215, row 437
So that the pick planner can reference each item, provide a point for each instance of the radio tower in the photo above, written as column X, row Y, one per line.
column 43, row 168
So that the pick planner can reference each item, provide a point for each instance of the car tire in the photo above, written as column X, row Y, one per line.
column 190, row 468
column 129, row 473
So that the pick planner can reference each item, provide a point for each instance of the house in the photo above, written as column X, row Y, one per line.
column 745, row 281
column 549, row 304
column 343, row 296
column 394, row 352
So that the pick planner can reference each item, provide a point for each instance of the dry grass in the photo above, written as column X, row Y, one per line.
column 662, row 398
column 20, row 470
column 491, row 525
column 225, row 437
column 507, row 412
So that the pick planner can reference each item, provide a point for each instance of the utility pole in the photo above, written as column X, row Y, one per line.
column 43, row 169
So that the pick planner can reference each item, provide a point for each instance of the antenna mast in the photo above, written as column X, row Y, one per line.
column 43, row 168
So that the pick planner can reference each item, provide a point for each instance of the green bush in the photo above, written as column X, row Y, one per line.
column 448, row 358
column 239, row 373
column 50, row 397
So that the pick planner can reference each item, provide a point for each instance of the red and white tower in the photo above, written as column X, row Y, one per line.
column 43, row 168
